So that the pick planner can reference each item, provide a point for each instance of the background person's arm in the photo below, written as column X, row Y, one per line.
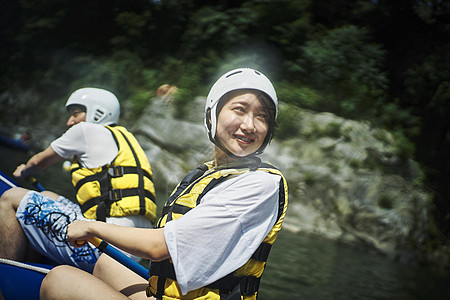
column 37, row 163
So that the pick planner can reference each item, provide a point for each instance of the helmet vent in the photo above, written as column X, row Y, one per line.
column 234, row 73
column 98, row 115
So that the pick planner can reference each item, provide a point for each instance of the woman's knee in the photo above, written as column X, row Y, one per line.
column 54, row 281
column 101, row 266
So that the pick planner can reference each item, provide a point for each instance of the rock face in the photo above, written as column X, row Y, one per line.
column 346, row 181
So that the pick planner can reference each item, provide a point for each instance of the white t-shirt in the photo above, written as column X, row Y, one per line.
column 93, row 144
column 221, row 234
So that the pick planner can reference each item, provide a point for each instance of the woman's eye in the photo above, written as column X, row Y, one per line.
column 263, row 115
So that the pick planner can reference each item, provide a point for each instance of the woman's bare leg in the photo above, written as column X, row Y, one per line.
column 120, row 278
column 66, row 282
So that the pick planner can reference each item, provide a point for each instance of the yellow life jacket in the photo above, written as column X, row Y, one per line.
column 123, row 187
column 244, row 282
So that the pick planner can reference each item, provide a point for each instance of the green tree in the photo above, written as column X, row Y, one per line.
column 346, row 66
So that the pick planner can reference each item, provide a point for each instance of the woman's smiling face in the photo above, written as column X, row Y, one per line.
column 242, row 124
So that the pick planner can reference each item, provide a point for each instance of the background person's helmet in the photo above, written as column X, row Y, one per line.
column 243, row 78
column 102, row 106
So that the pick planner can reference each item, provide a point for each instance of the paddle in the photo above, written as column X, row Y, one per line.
column 118, row 256
column 8, row 183
column 36, row 184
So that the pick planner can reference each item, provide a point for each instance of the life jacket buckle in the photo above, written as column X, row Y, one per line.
column 116, row 171
column 115, row 195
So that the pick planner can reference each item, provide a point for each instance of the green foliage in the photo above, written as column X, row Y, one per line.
column 346, row 67
column 288, row 120
column 404, row 148
column 216, row 28
column 332, row 129
column 356, row 164
column 385, row 201
column 300, row 95
column 309, row 178
column 131, row 30
column 188, row 88
column 138, row 101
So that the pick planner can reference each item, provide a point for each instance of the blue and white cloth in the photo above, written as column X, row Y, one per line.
column 44, row 222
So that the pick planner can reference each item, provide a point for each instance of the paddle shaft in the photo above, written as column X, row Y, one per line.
column 36, row 184
column 120, row 257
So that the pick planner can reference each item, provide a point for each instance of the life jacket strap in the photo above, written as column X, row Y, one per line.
column 262, row 252
column 163, row 269
column 229, row 285
column 114, row 195
column 119, row 171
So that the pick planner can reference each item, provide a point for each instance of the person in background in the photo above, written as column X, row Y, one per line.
column 166, row 92
column 217, row 227
column 111, row 175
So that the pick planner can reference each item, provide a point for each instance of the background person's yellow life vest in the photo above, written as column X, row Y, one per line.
column 244, row 282
column 122, row 188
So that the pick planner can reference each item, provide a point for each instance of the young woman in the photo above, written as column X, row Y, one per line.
column 217, row 227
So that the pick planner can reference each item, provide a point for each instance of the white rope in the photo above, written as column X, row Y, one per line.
column 8, row 182
column 24, row 266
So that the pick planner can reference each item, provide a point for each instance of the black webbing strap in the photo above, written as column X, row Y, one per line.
column 102, row 246
column 163, row 269
column 281, row 199
column 103, row 206
column 229, row 286
column 249, row 285
column 176, row 208
column 225, row 284
column 101, row 177
column 112, row 196
column 262, row 253
column 181, row 209
column 186, row 181
column 210, row 186
column 119, row 171
column 101, row 211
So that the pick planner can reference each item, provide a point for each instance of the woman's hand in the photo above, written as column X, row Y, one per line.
column 78, row 233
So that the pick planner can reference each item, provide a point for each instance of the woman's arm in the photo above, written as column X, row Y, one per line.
column 141, row 242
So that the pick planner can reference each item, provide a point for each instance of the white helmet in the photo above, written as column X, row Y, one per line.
column 102, row 107
column 243, row 78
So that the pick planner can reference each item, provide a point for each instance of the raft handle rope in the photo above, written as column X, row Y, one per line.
column 24, row 266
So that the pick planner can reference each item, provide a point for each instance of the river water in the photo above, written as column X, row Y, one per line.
column 305, row 267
